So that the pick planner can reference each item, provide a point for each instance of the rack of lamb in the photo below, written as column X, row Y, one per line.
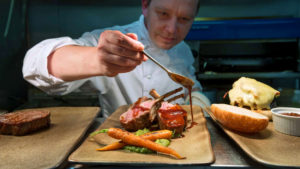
column 148, row 111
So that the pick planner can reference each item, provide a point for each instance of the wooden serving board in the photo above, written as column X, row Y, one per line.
column 47, row 148
column 195, row 146
column 268, row 147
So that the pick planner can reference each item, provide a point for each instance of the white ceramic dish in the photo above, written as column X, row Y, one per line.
column 285, row 123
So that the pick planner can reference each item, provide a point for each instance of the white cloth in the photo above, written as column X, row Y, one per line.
column 123, row 89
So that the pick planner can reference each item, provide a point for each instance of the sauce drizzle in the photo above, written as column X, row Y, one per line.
column 191, row 107
column 187, row 83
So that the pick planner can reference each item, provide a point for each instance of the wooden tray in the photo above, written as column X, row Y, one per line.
column 47, row 148
column 195, row 146
column 268, row 147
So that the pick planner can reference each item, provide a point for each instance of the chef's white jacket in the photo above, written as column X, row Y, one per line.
column 122, row 89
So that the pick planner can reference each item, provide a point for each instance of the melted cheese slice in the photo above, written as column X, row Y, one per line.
column 252, row 93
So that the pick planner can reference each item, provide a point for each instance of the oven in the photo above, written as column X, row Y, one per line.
column 266, row 49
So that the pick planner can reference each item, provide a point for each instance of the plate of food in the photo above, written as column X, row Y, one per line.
column 247, row 120
column 42, row 137
column 150, row 131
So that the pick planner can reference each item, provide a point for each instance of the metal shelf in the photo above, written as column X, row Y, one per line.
column 244, row 28
column 258, row 75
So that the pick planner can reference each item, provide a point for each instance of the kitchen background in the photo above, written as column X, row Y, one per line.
column 228, row 50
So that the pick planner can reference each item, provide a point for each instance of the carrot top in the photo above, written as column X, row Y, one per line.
column 98, row 132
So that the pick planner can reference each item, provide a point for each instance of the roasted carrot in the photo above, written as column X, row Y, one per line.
column 160, row 134
column 113, row 146
column 132, row 139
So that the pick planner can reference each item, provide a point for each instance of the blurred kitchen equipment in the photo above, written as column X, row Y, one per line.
column 263, row 48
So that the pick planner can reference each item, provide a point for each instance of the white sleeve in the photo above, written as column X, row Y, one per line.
column 35, row 69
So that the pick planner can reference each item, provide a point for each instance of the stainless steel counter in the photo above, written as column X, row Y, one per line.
column 227, row 154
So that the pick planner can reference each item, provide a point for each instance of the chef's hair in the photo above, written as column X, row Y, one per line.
column 198, row 4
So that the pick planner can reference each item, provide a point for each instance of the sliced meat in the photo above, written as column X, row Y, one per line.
column 137, row 116
column 169, row 116
column 172, row 117
column 159, row 99
column 145, row 111
column 24, row 122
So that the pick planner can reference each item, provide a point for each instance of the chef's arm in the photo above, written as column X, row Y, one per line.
column 115, row 53
column 72, row 62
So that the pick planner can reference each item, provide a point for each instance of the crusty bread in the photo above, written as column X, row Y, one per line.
column 239, row 119
column 266, row 113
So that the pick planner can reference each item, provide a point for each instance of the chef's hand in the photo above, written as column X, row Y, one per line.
column 118, row 53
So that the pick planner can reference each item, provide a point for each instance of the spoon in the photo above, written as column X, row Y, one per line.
column 183, row 80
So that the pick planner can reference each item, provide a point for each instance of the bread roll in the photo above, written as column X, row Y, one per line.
column 239, row 119
column 266, row 113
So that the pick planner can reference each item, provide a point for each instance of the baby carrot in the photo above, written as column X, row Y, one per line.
column 160, row 134
column 114, row 146
column 132, row 139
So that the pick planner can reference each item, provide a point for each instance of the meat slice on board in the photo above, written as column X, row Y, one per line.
column 24, row 122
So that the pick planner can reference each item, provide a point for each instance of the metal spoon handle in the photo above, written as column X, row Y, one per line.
column 156, row 62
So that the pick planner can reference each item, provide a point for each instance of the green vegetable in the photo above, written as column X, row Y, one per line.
column 163, row 142
column 143, row 150
column 136, row 149
column 175, row 135
column 98, row 132
column 141, row 132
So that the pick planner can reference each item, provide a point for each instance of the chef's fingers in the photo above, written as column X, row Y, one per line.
column 117, row 43
column 132, row 35
column 121, row 51
column 114, row 69
column 118, row 38
column 135, row 37
column 122, row 61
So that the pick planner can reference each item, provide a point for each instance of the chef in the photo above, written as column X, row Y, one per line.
column 110, row 61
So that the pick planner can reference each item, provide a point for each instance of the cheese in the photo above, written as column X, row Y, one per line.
column 252, row 93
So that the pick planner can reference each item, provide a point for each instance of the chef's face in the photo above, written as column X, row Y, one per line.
column 168, row 21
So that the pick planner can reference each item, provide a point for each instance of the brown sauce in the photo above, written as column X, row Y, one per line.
column 181, row 135
column 291, row 114
column 191, row 107
column 187, row 83
column 184, row 81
